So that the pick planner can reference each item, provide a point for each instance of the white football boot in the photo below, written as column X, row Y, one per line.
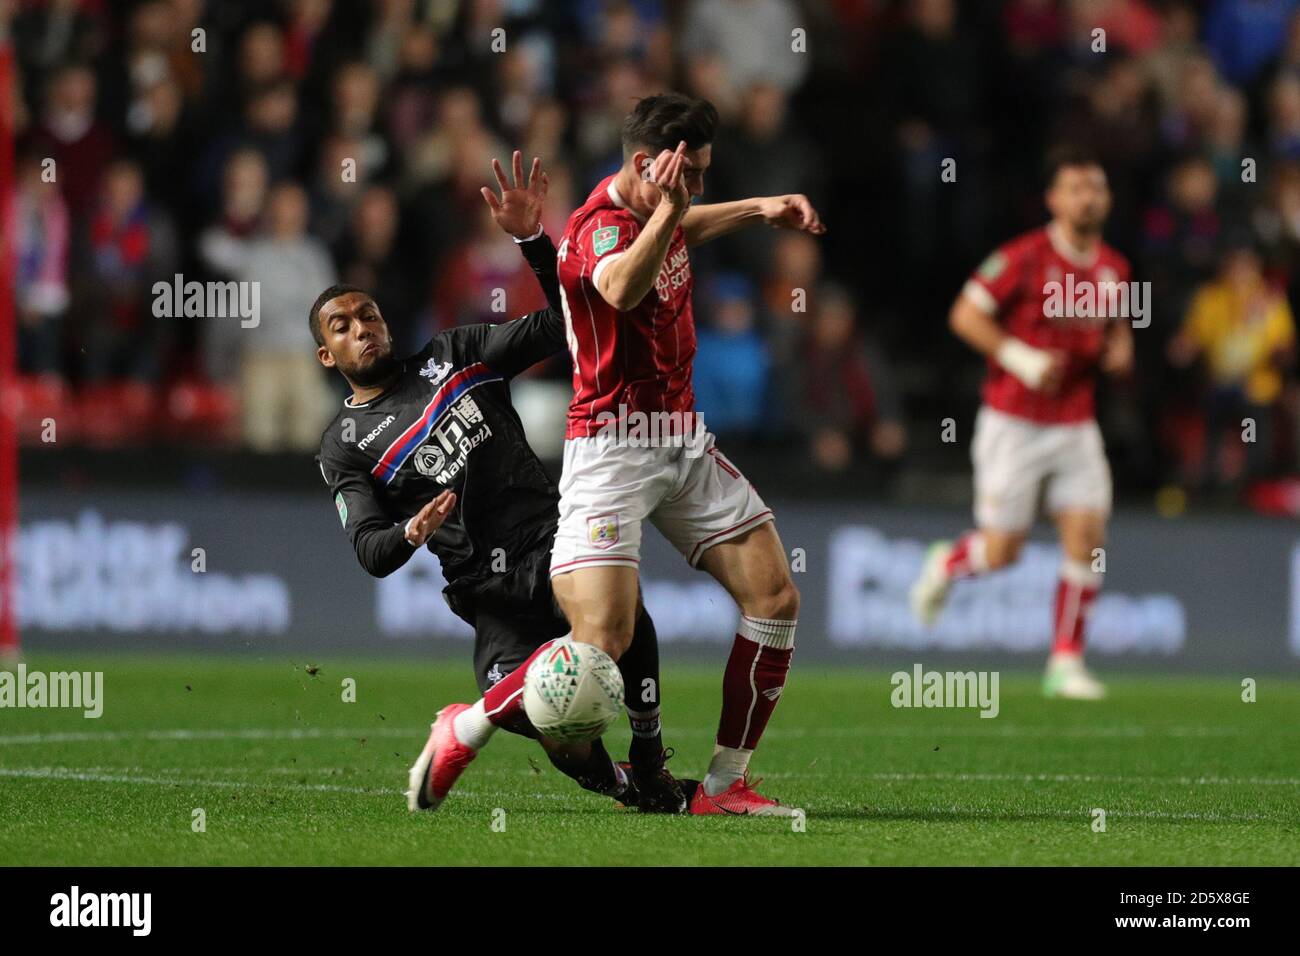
column 930, row 592
column 1067, row 677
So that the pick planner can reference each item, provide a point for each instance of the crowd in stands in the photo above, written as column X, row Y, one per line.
column 302, row 142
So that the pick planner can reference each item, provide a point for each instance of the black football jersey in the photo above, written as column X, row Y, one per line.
column 448, row 423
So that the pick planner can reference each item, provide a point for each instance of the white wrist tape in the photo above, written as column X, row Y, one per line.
column 1025, row 362
column 406, row 533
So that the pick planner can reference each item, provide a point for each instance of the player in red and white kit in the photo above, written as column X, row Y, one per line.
column 625, row 277
column 1036, row 432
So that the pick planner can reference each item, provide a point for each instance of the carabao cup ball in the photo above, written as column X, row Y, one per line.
column 573, row 692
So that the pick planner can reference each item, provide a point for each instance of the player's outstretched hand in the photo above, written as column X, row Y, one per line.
column 792, row 212
column 668, row 172
column 430, row 518
column 519, row 208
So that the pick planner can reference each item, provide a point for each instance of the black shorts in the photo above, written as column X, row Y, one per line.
column 512, row 614
column 505, row 639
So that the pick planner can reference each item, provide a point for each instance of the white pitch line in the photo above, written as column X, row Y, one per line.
column 135, row 774
column 222, row 771
column 786, row 775
column 91, row 776
column 288, row 771
column 954, row 811
column 1082, row 778
column 84, row 776
column 325, row 733
column 981, row 730
column 1036, row 778
column 68, row 773
column 244, row 733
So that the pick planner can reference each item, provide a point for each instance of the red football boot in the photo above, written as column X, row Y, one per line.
column 739, row 800
column 441, row 762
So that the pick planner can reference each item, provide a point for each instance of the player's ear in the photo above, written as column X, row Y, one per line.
column 642, row 161
column 325, row 356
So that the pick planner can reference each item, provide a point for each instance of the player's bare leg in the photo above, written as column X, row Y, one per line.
column 1082, row 533
column 600, row 604
column 754, row 570
column 976, row 552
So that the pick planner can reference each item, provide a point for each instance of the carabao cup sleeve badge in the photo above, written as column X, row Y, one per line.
column 603, row 240
column 602, row 531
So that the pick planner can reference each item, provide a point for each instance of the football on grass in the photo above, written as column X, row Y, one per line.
column 573, row 692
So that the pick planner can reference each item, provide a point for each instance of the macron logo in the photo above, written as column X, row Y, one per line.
column 103, row 909
column 374, row 432
column 772, row 693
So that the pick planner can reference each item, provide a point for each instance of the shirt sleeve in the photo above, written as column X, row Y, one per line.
column 540, row 253
column 513, row 346
column 379, row 543
column 991, row 285
column 603, row 238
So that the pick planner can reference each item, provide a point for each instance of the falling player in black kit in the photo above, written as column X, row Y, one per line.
column 428, row 450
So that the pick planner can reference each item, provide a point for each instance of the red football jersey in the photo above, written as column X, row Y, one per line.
column 1034, row 285
column 639, row 359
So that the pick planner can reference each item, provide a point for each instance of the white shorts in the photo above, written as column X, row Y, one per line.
column 1017, row 460
column 694, row 496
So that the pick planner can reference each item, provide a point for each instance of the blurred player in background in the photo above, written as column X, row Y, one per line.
column 1036, row 432
column 625, row 277
column 429, row 450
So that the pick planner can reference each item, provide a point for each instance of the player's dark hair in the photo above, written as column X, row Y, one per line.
column 1067, row 156
column 333, row 292
column 662, row 121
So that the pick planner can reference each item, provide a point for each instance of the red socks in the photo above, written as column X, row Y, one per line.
column 1076, row 592
column 503, row 703
column 967, row 557
column 754, row 679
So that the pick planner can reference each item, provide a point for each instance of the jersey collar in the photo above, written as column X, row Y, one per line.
column 1068, row 253
column 617, row 199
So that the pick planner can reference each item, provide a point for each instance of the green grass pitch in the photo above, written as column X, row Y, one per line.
column 288, row 773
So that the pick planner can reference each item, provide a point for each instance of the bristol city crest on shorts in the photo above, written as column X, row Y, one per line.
column 602, row 531
column 429, row 459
